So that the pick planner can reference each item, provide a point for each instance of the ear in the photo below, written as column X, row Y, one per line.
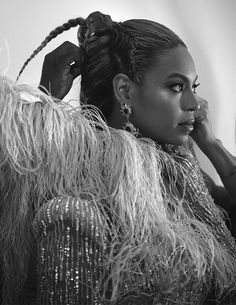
column 122, row 88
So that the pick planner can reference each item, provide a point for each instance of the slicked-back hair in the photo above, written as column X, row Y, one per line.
column 108, row 48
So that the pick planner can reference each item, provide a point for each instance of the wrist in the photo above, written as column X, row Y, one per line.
column 209, row 144
column 228, row 174
column 222, row 160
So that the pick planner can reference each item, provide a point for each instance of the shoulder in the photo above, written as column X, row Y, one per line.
column 78, row 214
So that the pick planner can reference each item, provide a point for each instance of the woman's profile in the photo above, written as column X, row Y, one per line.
column 106, row 204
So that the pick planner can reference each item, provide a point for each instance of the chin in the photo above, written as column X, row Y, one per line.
column 179, row 141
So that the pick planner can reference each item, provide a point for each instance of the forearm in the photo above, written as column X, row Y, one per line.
column 224, row 163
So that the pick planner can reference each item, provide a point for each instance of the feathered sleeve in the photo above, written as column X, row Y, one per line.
column 48, row 150
column 70, row 252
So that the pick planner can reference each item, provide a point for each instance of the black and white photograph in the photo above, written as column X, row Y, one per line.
column 118, row 152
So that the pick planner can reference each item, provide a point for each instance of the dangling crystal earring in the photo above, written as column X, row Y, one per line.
column 126, row 111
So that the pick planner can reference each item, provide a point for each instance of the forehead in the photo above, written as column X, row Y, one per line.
column 177, row 60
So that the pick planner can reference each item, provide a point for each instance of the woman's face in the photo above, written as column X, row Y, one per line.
column 164, row 105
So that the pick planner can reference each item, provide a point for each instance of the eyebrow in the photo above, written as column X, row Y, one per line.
column 184, row 77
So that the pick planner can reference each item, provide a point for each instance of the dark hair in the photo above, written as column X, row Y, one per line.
column 108, row 48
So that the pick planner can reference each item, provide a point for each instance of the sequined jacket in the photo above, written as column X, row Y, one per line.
column 69, row 254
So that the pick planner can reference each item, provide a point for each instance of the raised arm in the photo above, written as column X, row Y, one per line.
column 60, row 68
column 222, row 160
column 224, row 163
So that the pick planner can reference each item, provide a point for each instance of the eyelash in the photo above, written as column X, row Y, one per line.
column 194, row 87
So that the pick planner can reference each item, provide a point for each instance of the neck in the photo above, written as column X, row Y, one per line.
column 115, row 120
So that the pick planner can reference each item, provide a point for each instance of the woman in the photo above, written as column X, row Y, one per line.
column 102, row 215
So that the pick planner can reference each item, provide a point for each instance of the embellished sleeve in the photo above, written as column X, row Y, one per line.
column 219, row 193
column 70, row 252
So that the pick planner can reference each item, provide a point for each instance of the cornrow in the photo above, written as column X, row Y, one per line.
column 53, row 34
column 107, row 47
column 129, row 41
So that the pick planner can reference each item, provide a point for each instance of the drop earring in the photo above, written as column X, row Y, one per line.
column 126, row 111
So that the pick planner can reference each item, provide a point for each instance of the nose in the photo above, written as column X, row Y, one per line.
column 190, row 102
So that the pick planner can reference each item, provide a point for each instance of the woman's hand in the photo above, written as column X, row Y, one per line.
column 60, row 68
column 202, row 133
column 222, row 160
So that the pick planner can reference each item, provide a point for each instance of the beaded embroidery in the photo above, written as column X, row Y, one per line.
column 71, row 249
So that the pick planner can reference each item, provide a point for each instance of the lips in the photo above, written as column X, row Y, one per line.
column 187, row 125
column 188, row 122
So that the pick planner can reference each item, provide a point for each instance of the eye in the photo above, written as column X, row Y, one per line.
column 195, row 87
column 177, row 87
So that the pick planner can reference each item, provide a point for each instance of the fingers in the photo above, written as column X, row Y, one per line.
column 202, row 112
column 65, row 60
column 202, row 103
column 64, row 55
column 60, row 68
column 75, row 69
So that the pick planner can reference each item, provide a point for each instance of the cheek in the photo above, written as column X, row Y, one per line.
column 168, row 113
column 153, row 120
column 161, row 112
column 167, row 106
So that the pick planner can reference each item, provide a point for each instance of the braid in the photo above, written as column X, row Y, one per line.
column 124, row 41
column 53, row 34
column 108, row 49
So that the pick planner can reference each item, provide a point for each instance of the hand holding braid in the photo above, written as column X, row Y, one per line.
column 63, row 64
column 106, row 48
column 57, row 69
column 60, row 68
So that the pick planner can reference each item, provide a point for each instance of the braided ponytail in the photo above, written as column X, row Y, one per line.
column 106, row 47
column 53, row 34
column 131, row 47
